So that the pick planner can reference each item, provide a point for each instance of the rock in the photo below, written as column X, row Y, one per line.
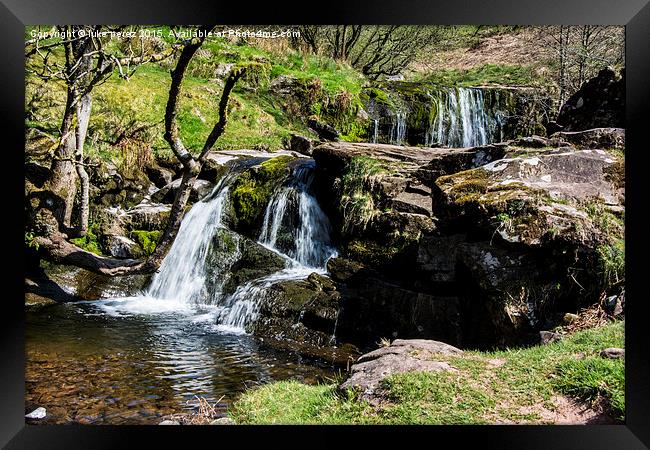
column 613, row 353
column 569, row 318
column 603, row 138
column 200, row 189
column 148, row 216
column 36, row 174
column 214, row 167
column 401, row 356
column 283, row 85
column 122, row 247
column 223, row 69
column 549, row 190
column 169, row 422
column 600, row 102
column 300, row 144
column 324, row 131
column 546, row 337
column 38, row 413
column 223, row 421
column 159, row 176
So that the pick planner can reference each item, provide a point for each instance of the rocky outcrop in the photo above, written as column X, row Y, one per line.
column 600, row 102
column 496, row 243
column 159, row 176
column 603, row 138
column 401, row 356
column 300, row 144
column 147, row 216
column 324, row 131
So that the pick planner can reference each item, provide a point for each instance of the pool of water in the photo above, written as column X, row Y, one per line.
column 130, row 362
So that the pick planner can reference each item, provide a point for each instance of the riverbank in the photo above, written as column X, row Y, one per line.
column 559, row 383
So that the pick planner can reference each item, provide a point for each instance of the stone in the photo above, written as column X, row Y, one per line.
column 547, row 337
column 223, row 69
column 223, row 421
column 148, row 216
column 412, row 355
column 600, row 102
column 603, row 138
column 169, row 422
column 159, row 176
column 324, row 131
column 613, row 353
column 121, row 247
column 569, row 318
column 300, row 144
column 38, row 413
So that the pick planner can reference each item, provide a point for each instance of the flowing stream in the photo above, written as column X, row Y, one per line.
column 134, row 359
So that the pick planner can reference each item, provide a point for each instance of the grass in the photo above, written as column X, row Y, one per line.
column 486, row 75
column 509, row 386
column 357, row 199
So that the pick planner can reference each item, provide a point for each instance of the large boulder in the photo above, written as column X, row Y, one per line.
column 159, row 176
column 401, row 356
column 300, row 144
column 324, row 131
column 147, row 216
column 122, row 247
column 600, row 102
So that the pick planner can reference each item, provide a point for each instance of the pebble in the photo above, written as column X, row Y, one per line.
column 38, row 413
column 169, row 422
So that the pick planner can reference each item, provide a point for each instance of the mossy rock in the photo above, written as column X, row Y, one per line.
column 253, row 189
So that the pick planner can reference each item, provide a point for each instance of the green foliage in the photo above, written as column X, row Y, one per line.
column 358, row 204
column 611, row 258
column 90, row 242
column 29, row 240
column 147, row 239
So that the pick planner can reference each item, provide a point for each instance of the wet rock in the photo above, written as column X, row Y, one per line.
column 300, row 144
column 401, row 356
column 613, row 353
column 148, row 216
column 546, row 337
column 600, row 102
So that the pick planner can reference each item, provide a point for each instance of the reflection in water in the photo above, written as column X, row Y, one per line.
column 89, row 366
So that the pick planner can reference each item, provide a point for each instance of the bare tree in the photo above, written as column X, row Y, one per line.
column 87, row 64
column 374, row 50
column 55, row 242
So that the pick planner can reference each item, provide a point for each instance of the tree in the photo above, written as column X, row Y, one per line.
column 53, row 240
column 87, row 64
column 374, row 50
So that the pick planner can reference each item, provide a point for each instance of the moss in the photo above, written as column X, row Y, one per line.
column 374, row 253
column 90, row 242
column 253, row 189
column 147, row 239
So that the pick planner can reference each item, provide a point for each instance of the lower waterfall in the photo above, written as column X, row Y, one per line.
column 294, row 227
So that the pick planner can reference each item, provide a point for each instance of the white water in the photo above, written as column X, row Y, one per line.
column 462, row 120
column 398, row 128
column 180, row 286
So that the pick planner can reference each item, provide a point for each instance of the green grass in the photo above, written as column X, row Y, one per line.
column 486, row 75
column 514, row 385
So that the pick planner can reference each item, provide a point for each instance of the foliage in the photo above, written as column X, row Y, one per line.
column 147, row 239
column 358, row 204
column 90, row 242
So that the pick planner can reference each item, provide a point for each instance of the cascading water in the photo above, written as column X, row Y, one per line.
column 294, row 213
column 398, row 128
column 462, row 120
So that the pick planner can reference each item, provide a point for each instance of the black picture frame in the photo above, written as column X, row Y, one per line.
column 15, row 14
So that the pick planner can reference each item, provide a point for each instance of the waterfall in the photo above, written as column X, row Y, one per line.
column 398, row 128
column 182, row 273
column 375, row 134
column 308, row 242
column 462, row 119
column 292, row 211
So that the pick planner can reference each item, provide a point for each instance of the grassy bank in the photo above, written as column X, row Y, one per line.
column 532, row 385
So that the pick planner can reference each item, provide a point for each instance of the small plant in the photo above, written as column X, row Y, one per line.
column 358, row 203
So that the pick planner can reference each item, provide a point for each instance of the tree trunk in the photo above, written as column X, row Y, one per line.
column 83, row 118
